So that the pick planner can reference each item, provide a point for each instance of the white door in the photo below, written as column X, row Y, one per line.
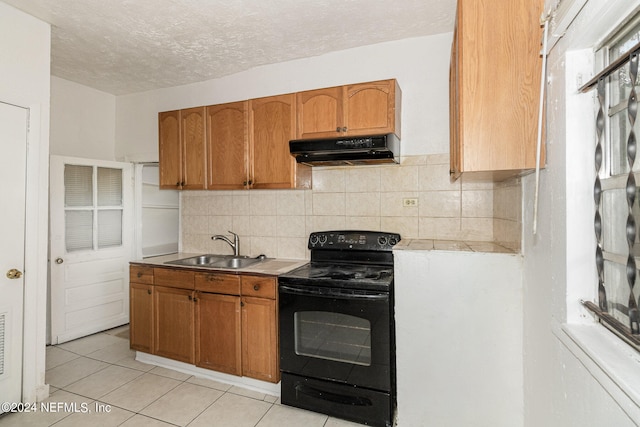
column 13, row 160
column 91, row 245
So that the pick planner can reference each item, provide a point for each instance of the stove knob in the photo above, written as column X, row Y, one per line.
column 323, row 239
column 313, row 239
column 382, row 240
column 393, row 241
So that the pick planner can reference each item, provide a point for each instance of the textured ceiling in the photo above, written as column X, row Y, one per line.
column 126, row 46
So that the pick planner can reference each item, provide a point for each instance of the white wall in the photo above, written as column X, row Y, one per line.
column 421, row 66
column 24, row 69
column 459, row 339
column 559, row 267
column 83, row 121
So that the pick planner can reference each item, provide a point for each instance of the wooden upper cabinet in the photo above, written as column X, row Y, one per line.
column 182, row 149
column 194, row 146
column 372, row 108
column 170, row 149
column 227, row 146
column 320, row 113
column 246, row 144
column 271, row 127
column 361, row 109
column 495, row 80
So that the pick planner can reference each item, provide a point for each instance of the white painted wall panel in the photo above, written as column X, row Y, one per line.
column 459, row 339
column 421, row 66
column 82, row 121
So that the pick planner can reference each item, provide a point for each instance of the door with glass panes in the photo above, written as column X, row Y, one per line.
column 90, row 247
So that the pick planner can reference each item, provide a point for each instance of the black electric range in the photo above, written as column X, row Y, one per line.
column 337, row 329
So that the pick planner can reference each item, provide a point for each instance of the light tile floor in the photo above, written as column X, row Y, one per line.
column 91, row 374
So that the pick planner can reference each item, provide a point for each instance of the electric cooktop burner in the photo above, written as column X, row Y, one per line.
column 343, row 275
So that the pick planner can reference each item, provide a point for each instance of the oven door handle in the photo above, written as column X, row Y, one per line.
column 334, row 292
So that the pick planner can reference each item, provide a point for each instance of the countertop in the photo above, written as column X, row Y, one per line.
column 452, row 245
column 270, row 266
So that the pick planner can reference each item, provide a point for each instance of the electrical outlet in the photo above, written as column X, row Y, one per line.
column 409, row 202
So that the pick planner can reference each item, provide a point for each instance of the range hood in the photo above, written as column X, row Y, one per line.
column 361, row 150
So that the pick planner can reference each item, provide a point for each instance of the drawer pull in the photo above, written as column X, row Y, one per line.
column 215, row 279
column 139, row 274
column 256, row 287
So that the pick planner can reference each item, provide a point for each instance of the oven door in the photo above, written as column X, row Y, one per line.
column 336, row 334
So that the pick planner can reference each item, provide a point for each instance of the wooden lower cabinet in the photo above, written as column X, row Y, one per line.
column 260, row 339
column 173, row 312
column 218, row 338
column 141, row 317
column 228, row 323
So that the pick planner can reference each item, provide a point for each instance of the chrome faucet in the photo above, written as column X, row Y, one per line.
column 235, row 245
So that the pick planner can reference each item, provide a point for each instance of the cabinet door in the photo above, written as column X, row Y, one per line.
column 370, row 108
column 218, row 333
column 227, row 146
column 271, row 127
column 173, row 314
column 454, row 119
column 194, row 148
column 170, row 149
column 141, row 317
column 320, row 113
column 260, row 339
column 497, row 97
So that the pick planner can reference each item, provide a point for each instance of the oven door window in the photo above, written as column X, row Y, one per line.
column 333, row 336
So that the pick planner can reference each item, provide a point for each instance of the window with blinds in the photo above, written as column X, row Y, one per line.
column 93, row 207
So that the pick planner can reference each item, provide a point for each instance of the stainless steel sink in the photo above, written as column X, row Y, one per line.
column 200, row 260
column 235, row 262
column 216, row 261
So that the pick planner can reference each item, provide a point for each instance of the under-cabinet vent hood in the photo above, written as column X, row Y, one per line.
column 361, row 150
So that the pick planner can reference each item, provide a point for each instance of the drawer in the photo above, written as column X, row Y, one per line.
column 141, row 274
column 259, row 286
column 174, row 278
column 218, row 283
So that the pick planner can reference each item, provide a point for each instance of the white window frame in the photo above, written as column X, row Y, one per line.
column 610, row 361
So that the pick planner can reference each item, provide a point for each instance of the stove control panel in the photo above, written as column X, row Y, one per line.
column 353, row 240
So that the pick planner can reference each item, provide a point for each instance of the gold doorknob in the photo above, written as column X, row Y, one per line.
column 14, row 274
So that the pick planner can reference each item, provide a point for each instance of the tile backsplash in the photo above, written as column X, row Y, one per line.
column 277, row 222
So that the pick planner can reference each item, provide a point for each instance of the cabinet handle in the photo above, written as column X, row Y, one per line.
column 195, row 299
column 241, row 303
column 344, row 129
column 338, row 129
column 256, row 287
column 250, row 182
column 149, row 291
column 190, row 298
